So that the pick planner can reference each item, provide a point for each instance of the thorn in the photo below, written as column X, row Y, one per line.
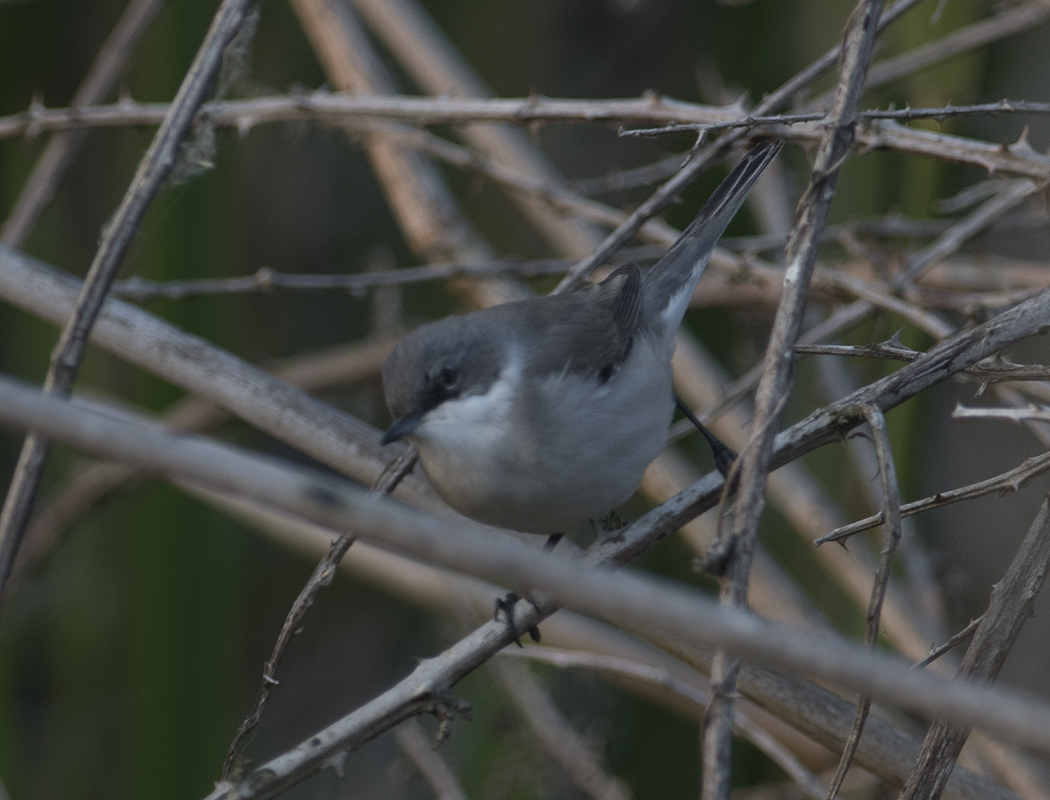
column 896, row 343
column 1022, row 146
column 336, row 762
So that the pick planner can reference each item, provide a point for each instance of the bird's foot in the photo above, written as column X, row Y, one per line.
column 506, row 606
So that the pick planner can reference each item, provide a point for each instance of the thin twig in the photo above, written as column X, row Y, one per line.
column 891, row 538
column 1009, row 607
column 1030, row 414
column 267, row 279
column 995, row 370
column 1007, row 482
column 954, row 641
column 777, row 375
column 319, row 578
column 155, row 166
column 938, row 113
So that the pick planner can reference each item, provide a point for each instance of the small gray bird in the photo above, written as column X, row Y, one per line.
column 542, row 414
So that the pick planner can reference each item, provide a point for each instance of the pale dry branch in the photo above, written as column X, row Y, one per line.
column 1030, row 414
column 321, row 576
column 1008, row 609
column 156, row 165
column 777, row 378
column 1005, row 483
column 617, row 595
column 891, row 538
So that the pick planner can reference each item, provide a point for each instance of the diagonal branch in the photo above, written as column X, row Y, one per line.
column 891, row 538
column 1009, row 608
column 154, row 167
column 777, row 376
column 630, row 598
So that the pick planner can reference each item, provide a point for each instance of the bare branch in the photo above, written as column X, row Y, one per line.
column 1032, row 413
column 777, row 375
column 1007, row 482
column 319, row 578
column 995, row 370
column 1010, row 606
column 891, row 538
column 158, row 162
column 632, row 599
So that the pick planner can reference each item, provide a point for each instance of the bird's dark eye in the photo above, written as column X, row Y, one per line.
column 448, row 379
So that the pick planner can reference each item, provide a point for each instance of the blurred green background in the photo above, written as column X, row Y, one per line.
column 128, row 661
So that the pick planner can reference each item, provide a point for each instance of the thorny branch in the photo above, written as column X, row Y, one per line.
column 322, row 575
column 1007, row 482
column 778, row 375
column 153, row 169
column 891, row 538
column 882, row 131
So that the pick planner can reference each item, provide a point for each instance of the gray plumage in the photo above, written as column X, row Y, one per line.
column 541, row 414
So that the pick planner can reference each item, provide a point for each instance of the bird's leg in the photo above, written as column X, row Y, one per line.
column 506, row 604
column 724, row 455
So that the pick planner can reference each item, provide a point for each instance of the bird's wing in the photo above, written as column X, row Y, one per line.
column 589, row 332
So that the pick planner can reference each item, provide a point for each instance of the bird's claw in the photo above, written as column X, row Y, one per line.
column 506, row 605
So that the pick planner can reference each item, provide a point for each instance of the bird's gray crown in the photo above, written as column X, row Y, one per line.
column 450, row 358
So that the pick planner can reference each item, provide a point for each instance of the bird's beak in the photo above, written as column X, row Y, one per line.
column 401, row 427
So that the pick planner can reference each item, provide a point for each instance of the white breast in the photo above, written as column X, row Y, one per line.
column 547, row 455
